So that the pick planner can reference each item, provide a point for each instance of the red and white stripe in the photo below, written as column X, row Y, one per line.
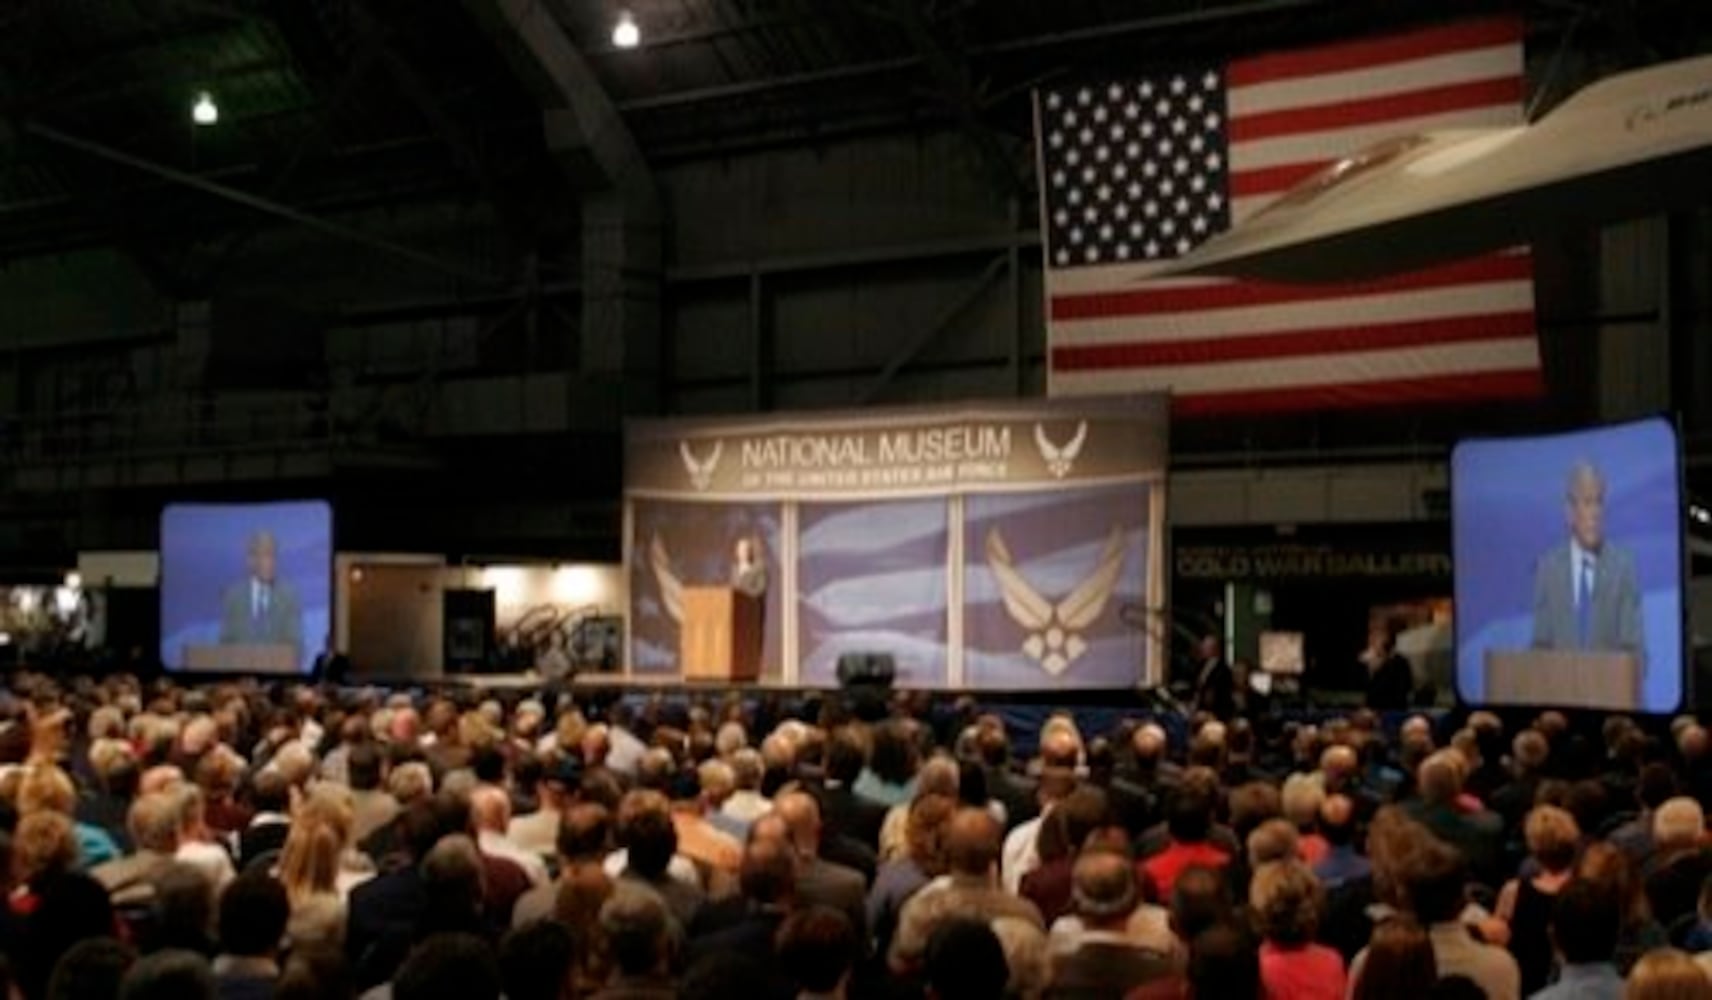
column 1464, row 331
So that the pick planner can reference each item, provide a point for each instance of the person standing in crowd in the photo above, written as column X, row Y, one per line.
column 1215, row 683
column 1390, row 678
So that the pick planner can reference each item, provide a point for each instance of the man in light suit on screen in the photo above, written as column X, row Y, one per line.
column 262, row 609
column 1586, row 595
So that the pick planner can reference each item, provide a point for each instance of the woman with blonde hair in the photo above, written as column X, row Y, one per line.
column 1668, row 974
column 43, row 848
column 313, row 868
column 1525, row 904
column 46, row 788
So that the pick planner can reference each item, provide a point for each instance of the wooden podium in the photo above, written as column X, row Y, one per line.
column 1563, row 677
column 721, row 635
column 243, row 658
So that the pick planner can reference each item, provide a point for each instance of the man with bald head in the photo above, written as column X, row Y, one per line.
column 1103, row 959
column 1586, row 594
column 1215, row 682
column 490, row 815
column 819, row 882
column 1478, row 835
column 969, row 891
column 1149, row 767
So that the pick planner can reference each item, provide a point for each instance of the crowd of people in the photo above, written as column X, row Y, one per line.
column 241, row 842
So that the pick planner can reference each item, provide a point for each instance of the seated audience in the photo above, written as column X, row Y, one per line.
column 537, row 962
column 638, row 933
column 446, row 966
column 817, row 949
column 923, row 860
column 1189, row 821
column 1101, row 959
column 650, row 842
column 1435, row 878
column 727, row 848
column 1286, row 901
column 1680, row 861
column 254, row 911
column 1525, row 904
column 1399, row 963
column 1585, row 919
column 963, row 960
column 1668, row 974
column 169, row 975
column 820, row 882
column 970, row 890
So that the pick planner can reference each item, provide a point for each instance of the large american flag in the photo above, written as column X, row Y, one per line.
column 1138, row 170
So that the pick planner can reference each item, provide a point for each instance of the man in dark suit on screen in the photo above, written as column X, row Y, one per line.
column 262, row 609
column 1586, row 594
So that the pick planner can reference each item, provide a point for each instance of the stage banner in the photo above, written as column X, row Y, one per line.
column 981, row 546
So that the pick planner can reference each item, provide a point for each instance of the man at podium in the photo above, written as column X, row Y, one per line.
column 1586, row 596
column 748, row 569
column 262, row 609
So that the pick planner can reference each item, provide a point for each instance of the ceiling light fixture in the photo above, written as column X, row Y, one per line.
column 205, row 111
column 625, row 34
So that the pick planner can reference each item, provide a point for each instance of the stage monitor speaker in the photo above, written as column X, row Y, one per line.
column 469, row 630
column 867, row 670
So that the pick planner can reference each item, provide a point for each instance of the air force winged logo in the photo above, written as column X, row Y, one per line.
column 1054, row 640
column 1060, row 459
column 701, row 469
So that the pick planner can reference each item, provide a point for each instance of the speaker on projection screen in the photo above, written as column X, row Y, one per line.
column 867, row 670
column 469, row 630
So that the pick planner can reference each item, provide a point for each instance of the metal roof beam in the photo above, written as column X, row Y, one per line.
column 619, row 331
column 1143, row 25
column 264, row 205
column 577, row 106
column 952, row 74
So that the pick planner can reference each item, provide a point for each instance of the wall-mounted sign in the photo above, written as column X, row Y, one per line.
column 899, row 452
column 1330, row 553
